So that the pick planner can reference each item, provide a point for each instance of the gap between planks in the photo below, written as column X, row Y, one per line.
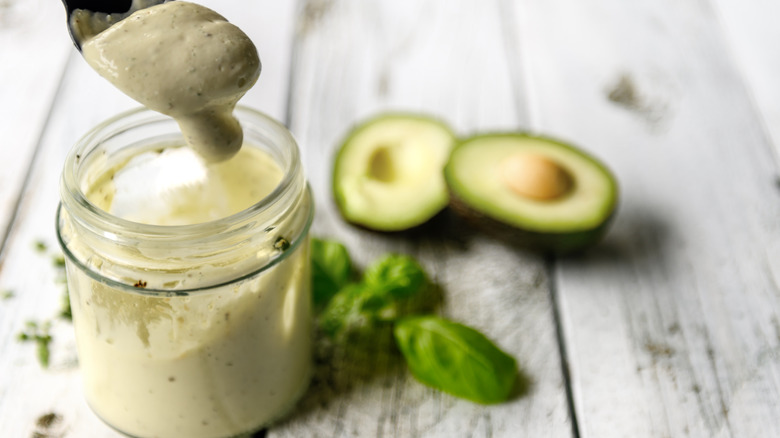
column 7, row 236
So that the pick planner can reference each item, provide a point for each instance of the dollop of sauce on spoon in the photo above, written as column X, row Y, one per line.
column 183, row 60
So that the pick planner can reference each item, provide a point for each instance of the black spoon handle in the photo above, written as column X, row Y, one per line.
column 107, row 6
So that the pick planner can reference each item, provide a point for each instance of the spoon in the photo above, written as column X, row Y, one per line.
column 87, row 18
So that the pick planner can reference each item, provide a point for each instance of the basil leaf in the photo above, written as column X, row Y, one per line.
column 354, row 307
column 344, row 311
column 384, row 294
column 397, row 275
column 331, row 268
column 456, row 359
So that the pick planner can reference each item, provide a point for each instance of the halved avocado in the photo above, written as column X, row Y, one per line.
column 538, row 192
column 388, row 173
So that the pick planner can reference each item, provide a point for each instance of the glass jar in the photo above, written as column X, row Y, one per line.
column 192, row 330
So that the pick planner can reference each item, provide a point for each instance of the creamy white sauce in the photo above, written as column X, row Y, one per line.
column 183, row 60
column 172, row 186
column 212, row 364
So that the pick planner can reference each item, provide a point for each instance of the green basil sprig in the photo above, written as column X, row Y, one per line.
column 382, row 295
column 396, row 276
column 443, row 354
column 344, row 311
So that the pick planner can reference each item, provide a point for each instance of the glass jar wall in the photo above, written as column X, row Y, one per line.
column 189, row 281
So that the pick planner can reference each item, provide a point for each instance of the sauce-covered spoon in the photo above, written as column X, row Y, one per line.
column 87, row 18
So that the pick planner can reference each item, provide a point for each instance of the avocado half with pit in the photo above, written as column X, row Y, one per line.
column 540, row 193
column 388, row 172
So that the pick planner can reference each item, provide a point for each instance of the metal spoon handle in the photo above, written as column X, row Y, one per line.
column 87, row 18
column 107, row 6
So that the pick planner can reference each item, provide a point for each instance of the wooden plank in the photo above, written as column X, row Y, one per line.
column 447, row 59
column 27, row 391
column 671, row 325
column 750, row 33
column 33, row 49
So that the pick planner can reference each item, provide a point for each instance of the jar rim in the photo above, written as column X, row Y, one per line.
column 167, row 293
column 99, row 222
column 92, row 138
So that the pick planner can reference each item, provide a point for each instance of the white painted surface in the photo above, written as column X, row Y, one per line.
column 33, row 48
column 750, row 32
column 670, row 326
column 448, row 59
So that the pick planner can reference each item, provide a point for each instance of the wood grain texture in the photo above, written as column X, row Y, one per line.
column 447, row 59
column 750, row 32
column 671, row 325
column 85, row 99
column 33, row 49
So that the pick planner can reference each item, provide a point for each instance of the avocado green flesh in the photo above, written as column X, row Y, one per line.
column 473, row 173
column 388, row 173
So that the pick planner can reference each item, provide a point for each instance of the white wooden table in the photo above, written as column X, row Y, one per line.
column 669, row 328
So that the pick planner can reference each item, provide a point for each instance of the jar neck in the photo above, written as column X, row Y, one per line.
column 118, row 251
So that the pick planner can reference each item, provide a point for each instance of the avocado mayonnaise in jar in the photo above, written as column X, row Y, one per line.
column 188, row 280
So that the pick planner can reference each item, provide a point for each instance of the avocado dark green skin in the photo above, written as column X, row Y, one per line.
column 545, row 243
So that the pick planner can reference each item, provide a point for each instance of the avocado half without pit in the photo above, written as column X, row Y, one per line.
column 538, row 192
column 388, row 172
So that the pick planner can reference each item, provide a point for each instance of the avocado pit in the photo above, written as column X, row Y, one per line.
column 539, row 193
column 535, row 176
